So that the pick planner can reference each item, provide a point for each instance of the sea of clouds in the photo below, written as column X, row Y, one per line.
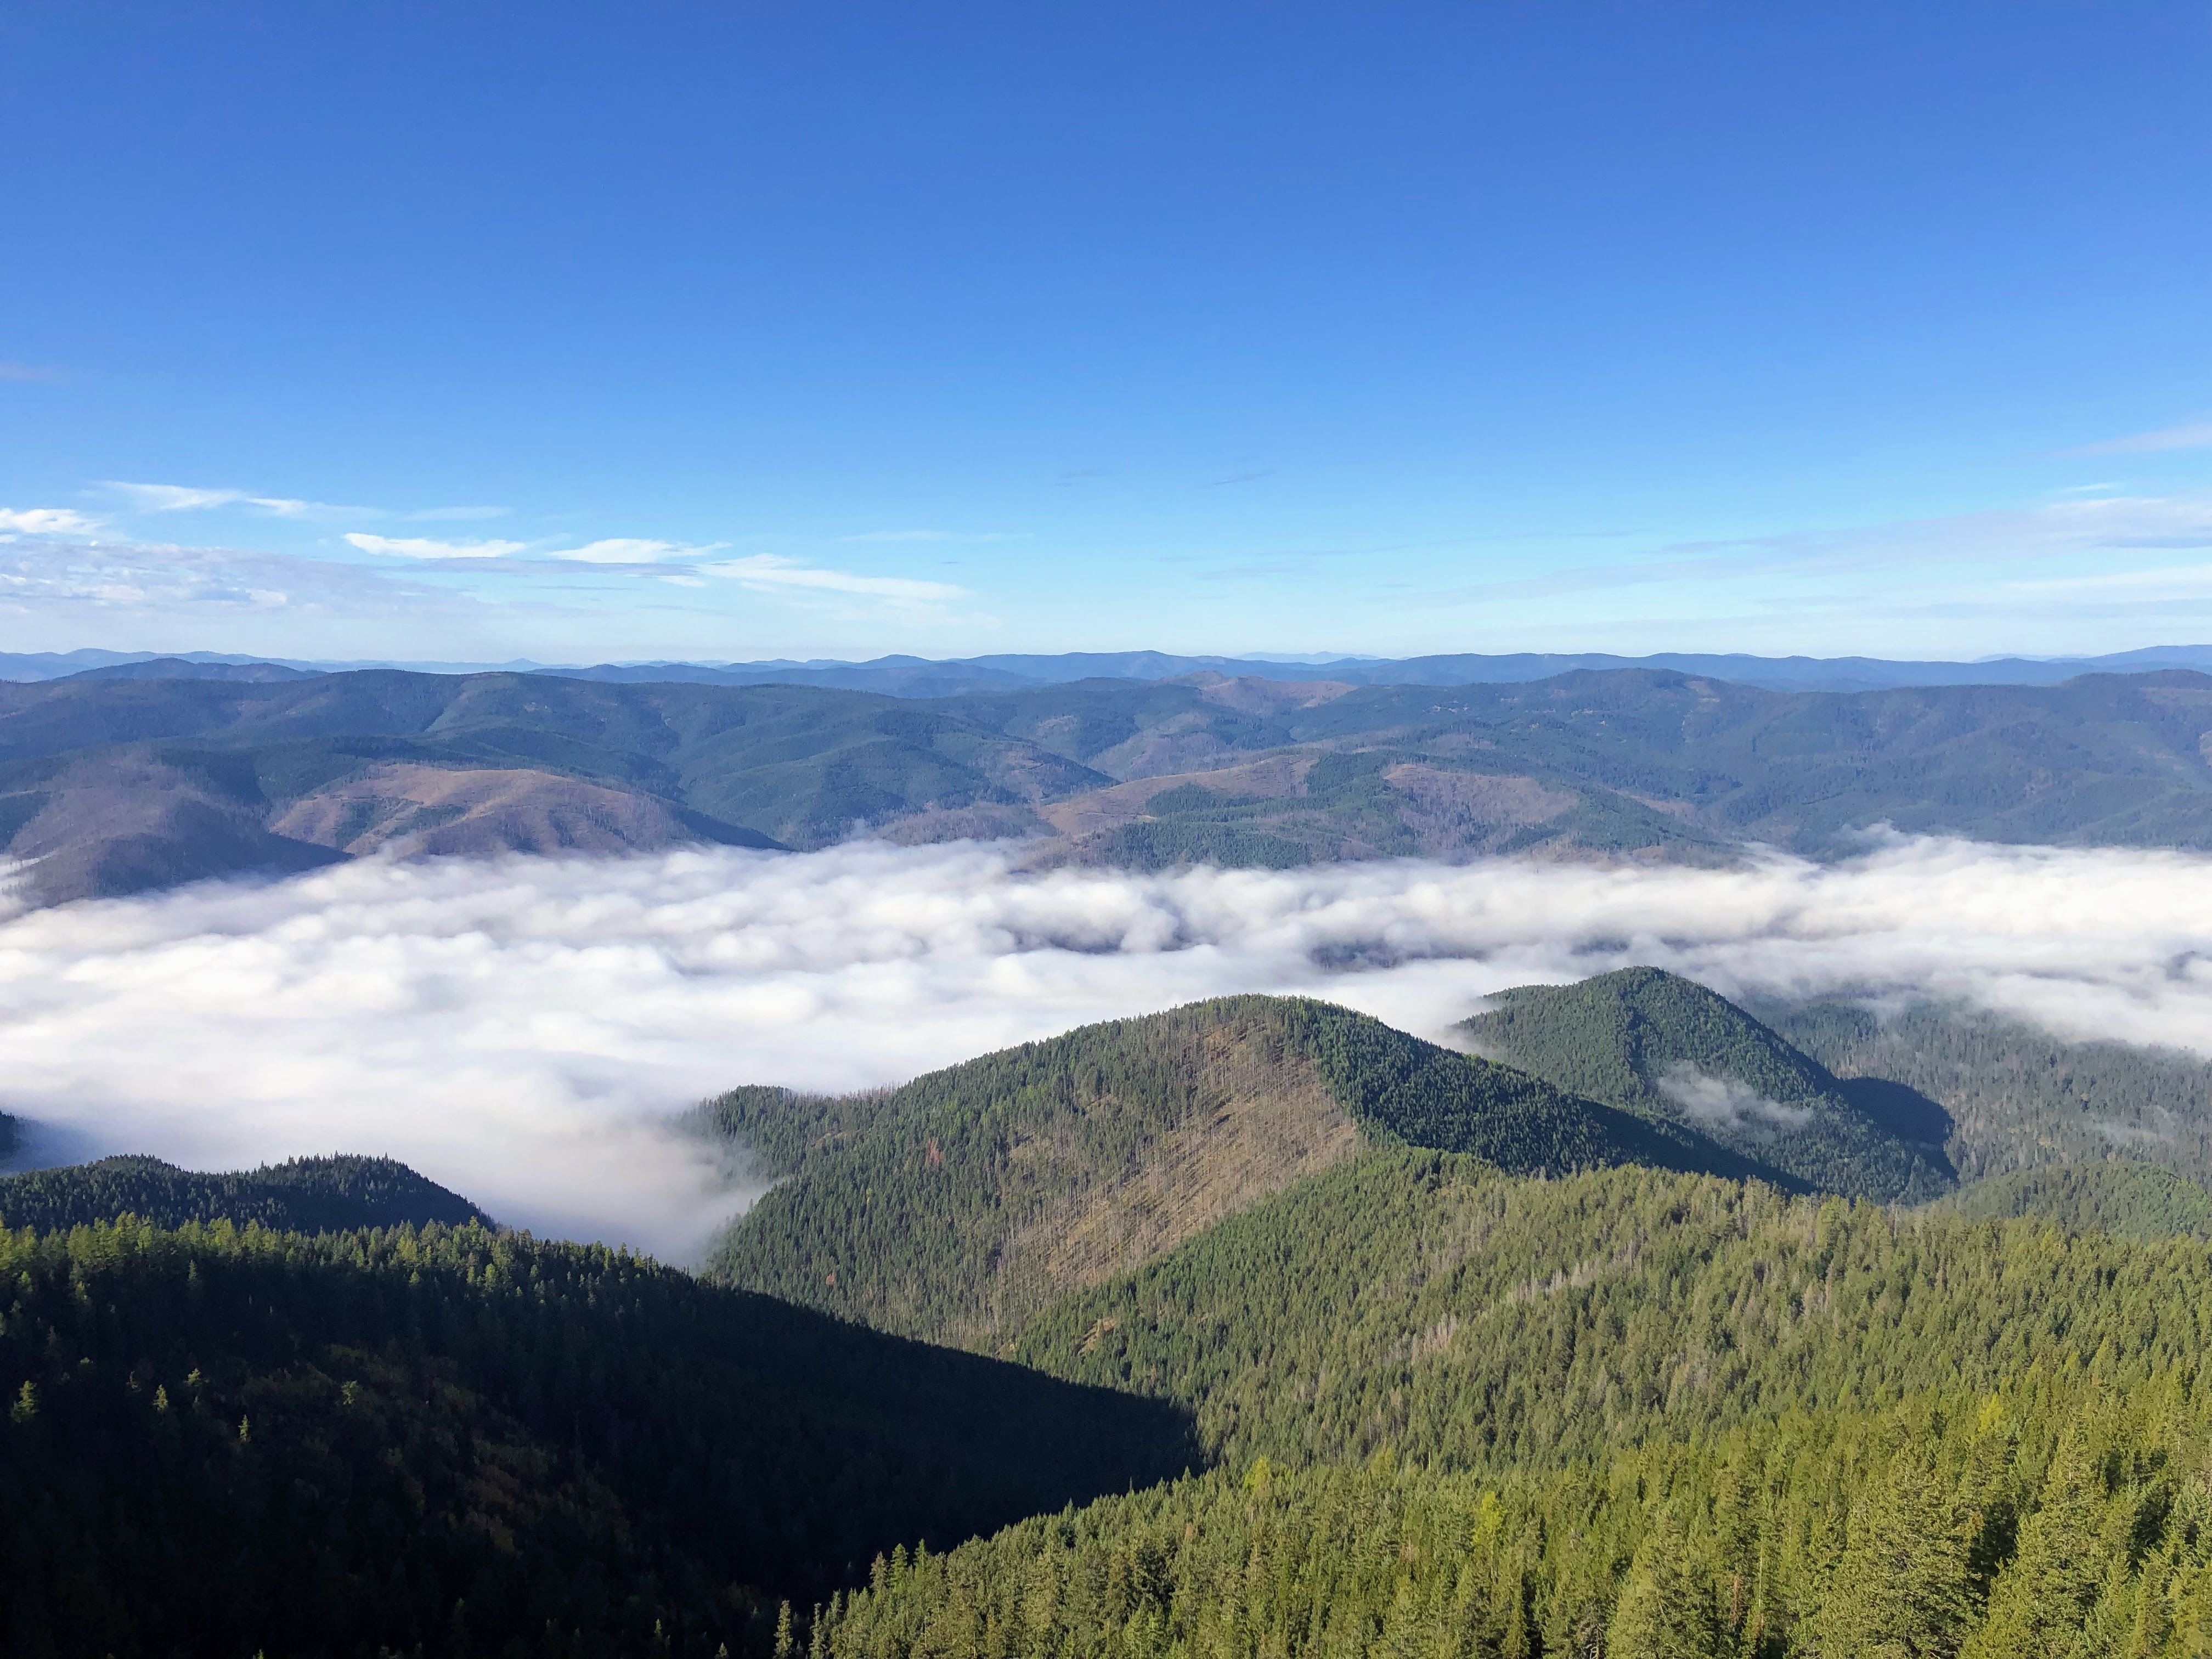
column 524, row 1030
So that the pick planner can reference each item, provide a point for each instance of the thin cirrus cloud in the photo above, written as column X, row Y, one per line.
column 2190, row 434
column 422, row 547
column 189, row 498
column 2055, row 530
column 632, row 549
column 772, row 573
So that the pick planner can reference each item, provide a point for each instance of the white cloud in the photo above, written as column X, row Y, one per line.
column 173, row 498
column 61, row 583
column 516, row 1028
column 2192, row 434
column 1726, row 1103
column 417, row 547
column 46, row 521
column 183, row 498
column 772, row 573
column 625, row 549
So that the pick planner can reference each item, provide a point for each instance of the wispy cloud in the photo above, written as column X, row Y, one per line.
column 631, row 549
column 929, row 536
column 186, row 498
column 420, row 547
column 2191, row 434
column 772, row 573
column 54, row 580
column 431, row 513
column 1236, row 478
column 46, row 521
column 2057, row 529
column 27, row 372
column 192, row 498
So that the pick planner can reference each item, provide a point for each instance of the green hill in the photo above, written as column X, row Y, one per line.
column 2016, row 1096
column 2114, row 1195
column 1434, row 1306
column 1661, row 1046
column 1624, row 1412
column 306, row 1196
column 456, row 1443
column 956, row 1206
column 2010, row 1526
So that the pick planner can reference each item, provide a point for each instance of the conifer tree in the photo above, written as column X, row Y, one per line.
column 1902, row 1588
column 1666, row 1609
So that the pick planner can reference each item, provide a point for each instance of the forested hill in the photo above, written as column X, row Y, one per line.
column 112, row 786
column 1654, row 1042
column 2017, row 1097
column 954, row 1206
column 2118, row 1195
column 453, row 1443
column 1623, row 1413
column 307, row 1194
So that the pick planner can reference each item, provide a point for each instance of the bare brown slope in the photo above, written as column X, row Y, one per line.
column 418, row 811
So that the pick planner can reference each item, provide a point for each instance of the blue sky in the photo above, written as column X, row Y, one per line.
column 583, row 332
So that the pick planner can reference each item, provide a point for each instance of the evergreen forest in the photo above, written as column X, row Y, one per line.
column 1656, row 1327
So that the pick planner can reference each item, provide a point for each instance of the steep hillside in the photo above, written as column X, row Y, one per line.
column 2119, row 1195
column 306, row 1196
column 1467, row 1319
column 1657, row 1044
column 954, row 1206
column 454, row 1443
column 2012, row 1525
column 1625, row 1414
column 2017, row 1097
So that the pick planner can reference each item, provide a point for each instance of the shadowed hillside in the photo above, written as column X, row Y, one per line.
column 1660, row 1045
column 454, row 1443
column 305, row 1195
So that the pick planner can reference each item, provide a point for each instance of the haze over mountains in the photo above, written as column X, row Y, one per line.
column 115, row 785
column 905, row 675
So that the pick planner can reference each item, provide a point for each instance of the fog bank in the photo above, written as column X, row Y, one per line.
column 521, row 1028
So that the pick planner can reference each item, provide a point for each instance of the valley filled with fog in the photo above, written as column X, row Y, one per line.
column 526, row 1030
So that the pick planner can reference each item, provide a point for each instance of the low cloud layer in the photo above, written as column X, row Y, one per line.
column 521, row 1029
column 1726, row 1103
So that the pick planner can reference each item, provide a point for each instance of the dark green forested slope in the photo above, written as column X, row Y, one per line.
column 1656, row 1044
column 956, row 1206
column 2116, row 1195
column 2058, row 1520
column 455, row 1442
column 1429, row 1304
column 306, row 1196
column 2016, row 1096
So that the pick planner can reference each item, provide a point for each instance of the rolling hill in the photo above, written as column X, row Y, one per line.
column 954, row 1207
column 1622, row 1412
column 118, row 785
column 305, row 1195
column 1659, row 1045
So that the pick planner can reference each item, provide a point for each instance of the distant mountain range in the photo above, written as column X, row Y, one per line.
column 919, row 676
column 112, row 785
